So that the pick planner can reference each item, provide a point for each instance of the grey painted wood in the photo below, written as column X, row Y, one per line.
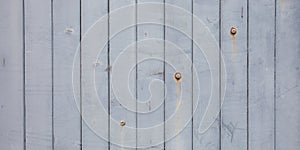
column 38, row 75
column 119, row 135
column 11, row 76
column 208, row 12
column 234, row 49
column 178, row 102
column 150, row 91
column 287, row 75
column 262, row 93
column 91, row 12
column 261, row 74
column 66, row 36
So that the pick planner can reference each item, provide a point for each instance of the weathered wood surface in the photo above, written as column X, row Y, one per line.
column 48, row 79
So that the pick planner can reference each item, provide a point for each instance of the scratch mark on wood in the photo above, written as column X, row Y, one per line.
column 3, row 62
column 158, row 73
column 242, row 12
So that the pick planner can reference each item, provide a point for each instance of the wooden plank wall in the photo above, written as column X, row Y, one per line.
column 38, row 77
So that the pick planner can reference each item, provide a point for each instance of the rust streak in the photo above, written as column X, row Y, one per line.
column 282, row 4
column 233, row 47
column 233, row 32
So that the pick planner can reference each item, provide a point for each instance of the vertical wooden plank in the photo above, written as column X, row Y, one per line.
column 91, row 12
column 261, row 74
column 38, row 74
column 208, row 12
column 11, row 76
column 150, row 77
column 66, row 36
column 174, row 89
column 234, row 49
column 287, row 75
column 119, row 136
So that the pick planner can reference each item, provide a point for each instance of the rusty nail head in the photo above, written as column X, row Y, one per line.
column 233, row 30
column 177, row 75
column 122, row 122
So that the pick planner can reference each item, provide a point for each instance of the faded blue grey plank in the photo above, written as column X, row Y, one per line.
column 11, row 76
column 287, row 75
column 150, row 77
column 121, row 136
column 91, row 12
column 38, row 74
column 234, row 49
column 178, row 102
column 208, row 12
column 66, row 21
column 261, row 74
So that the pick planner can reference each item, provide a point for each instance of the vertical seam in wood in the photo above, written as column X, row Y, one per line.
column 24, row 92
column 192, row 69
column 136, row 75
column 247, row 74
column 52, row 77
column 108, row 72
column 164, row 69
column 80, row 73
column 220, row 72
column 275, row 86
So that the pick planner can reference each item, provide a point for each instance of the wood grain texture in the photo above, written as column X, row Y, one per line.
column 38, row 74
column 11, row 76
column 150, row 77
column 178, row 102
column 91, row 12
column 208, row 12
column 46, row 77
column 261, row 74
column 66, row 36
column 234, row 49
column 287, row 75
column 120, row 137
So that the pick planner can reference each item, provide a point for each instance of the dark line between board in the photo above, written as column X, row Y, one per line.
column 136, row 75
column 80, row 73
column 164, row 69
column 24, row 92
column 220, row 72
column 192, row 69
column 108, row 72
column 52, row 76
column 275, row 69
column 247, row 74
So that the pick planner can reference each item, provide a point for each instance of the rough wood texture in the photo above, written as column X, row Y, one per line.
column 178, row 102
column 150, row 77
column 11, row 76
column 287, row 122
column 208, row 12
column 261, row 74
column 91, row 12
column 38, row 74
column 66, row 36
column 117, row 44
column 234, row 49
column 47, row 79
